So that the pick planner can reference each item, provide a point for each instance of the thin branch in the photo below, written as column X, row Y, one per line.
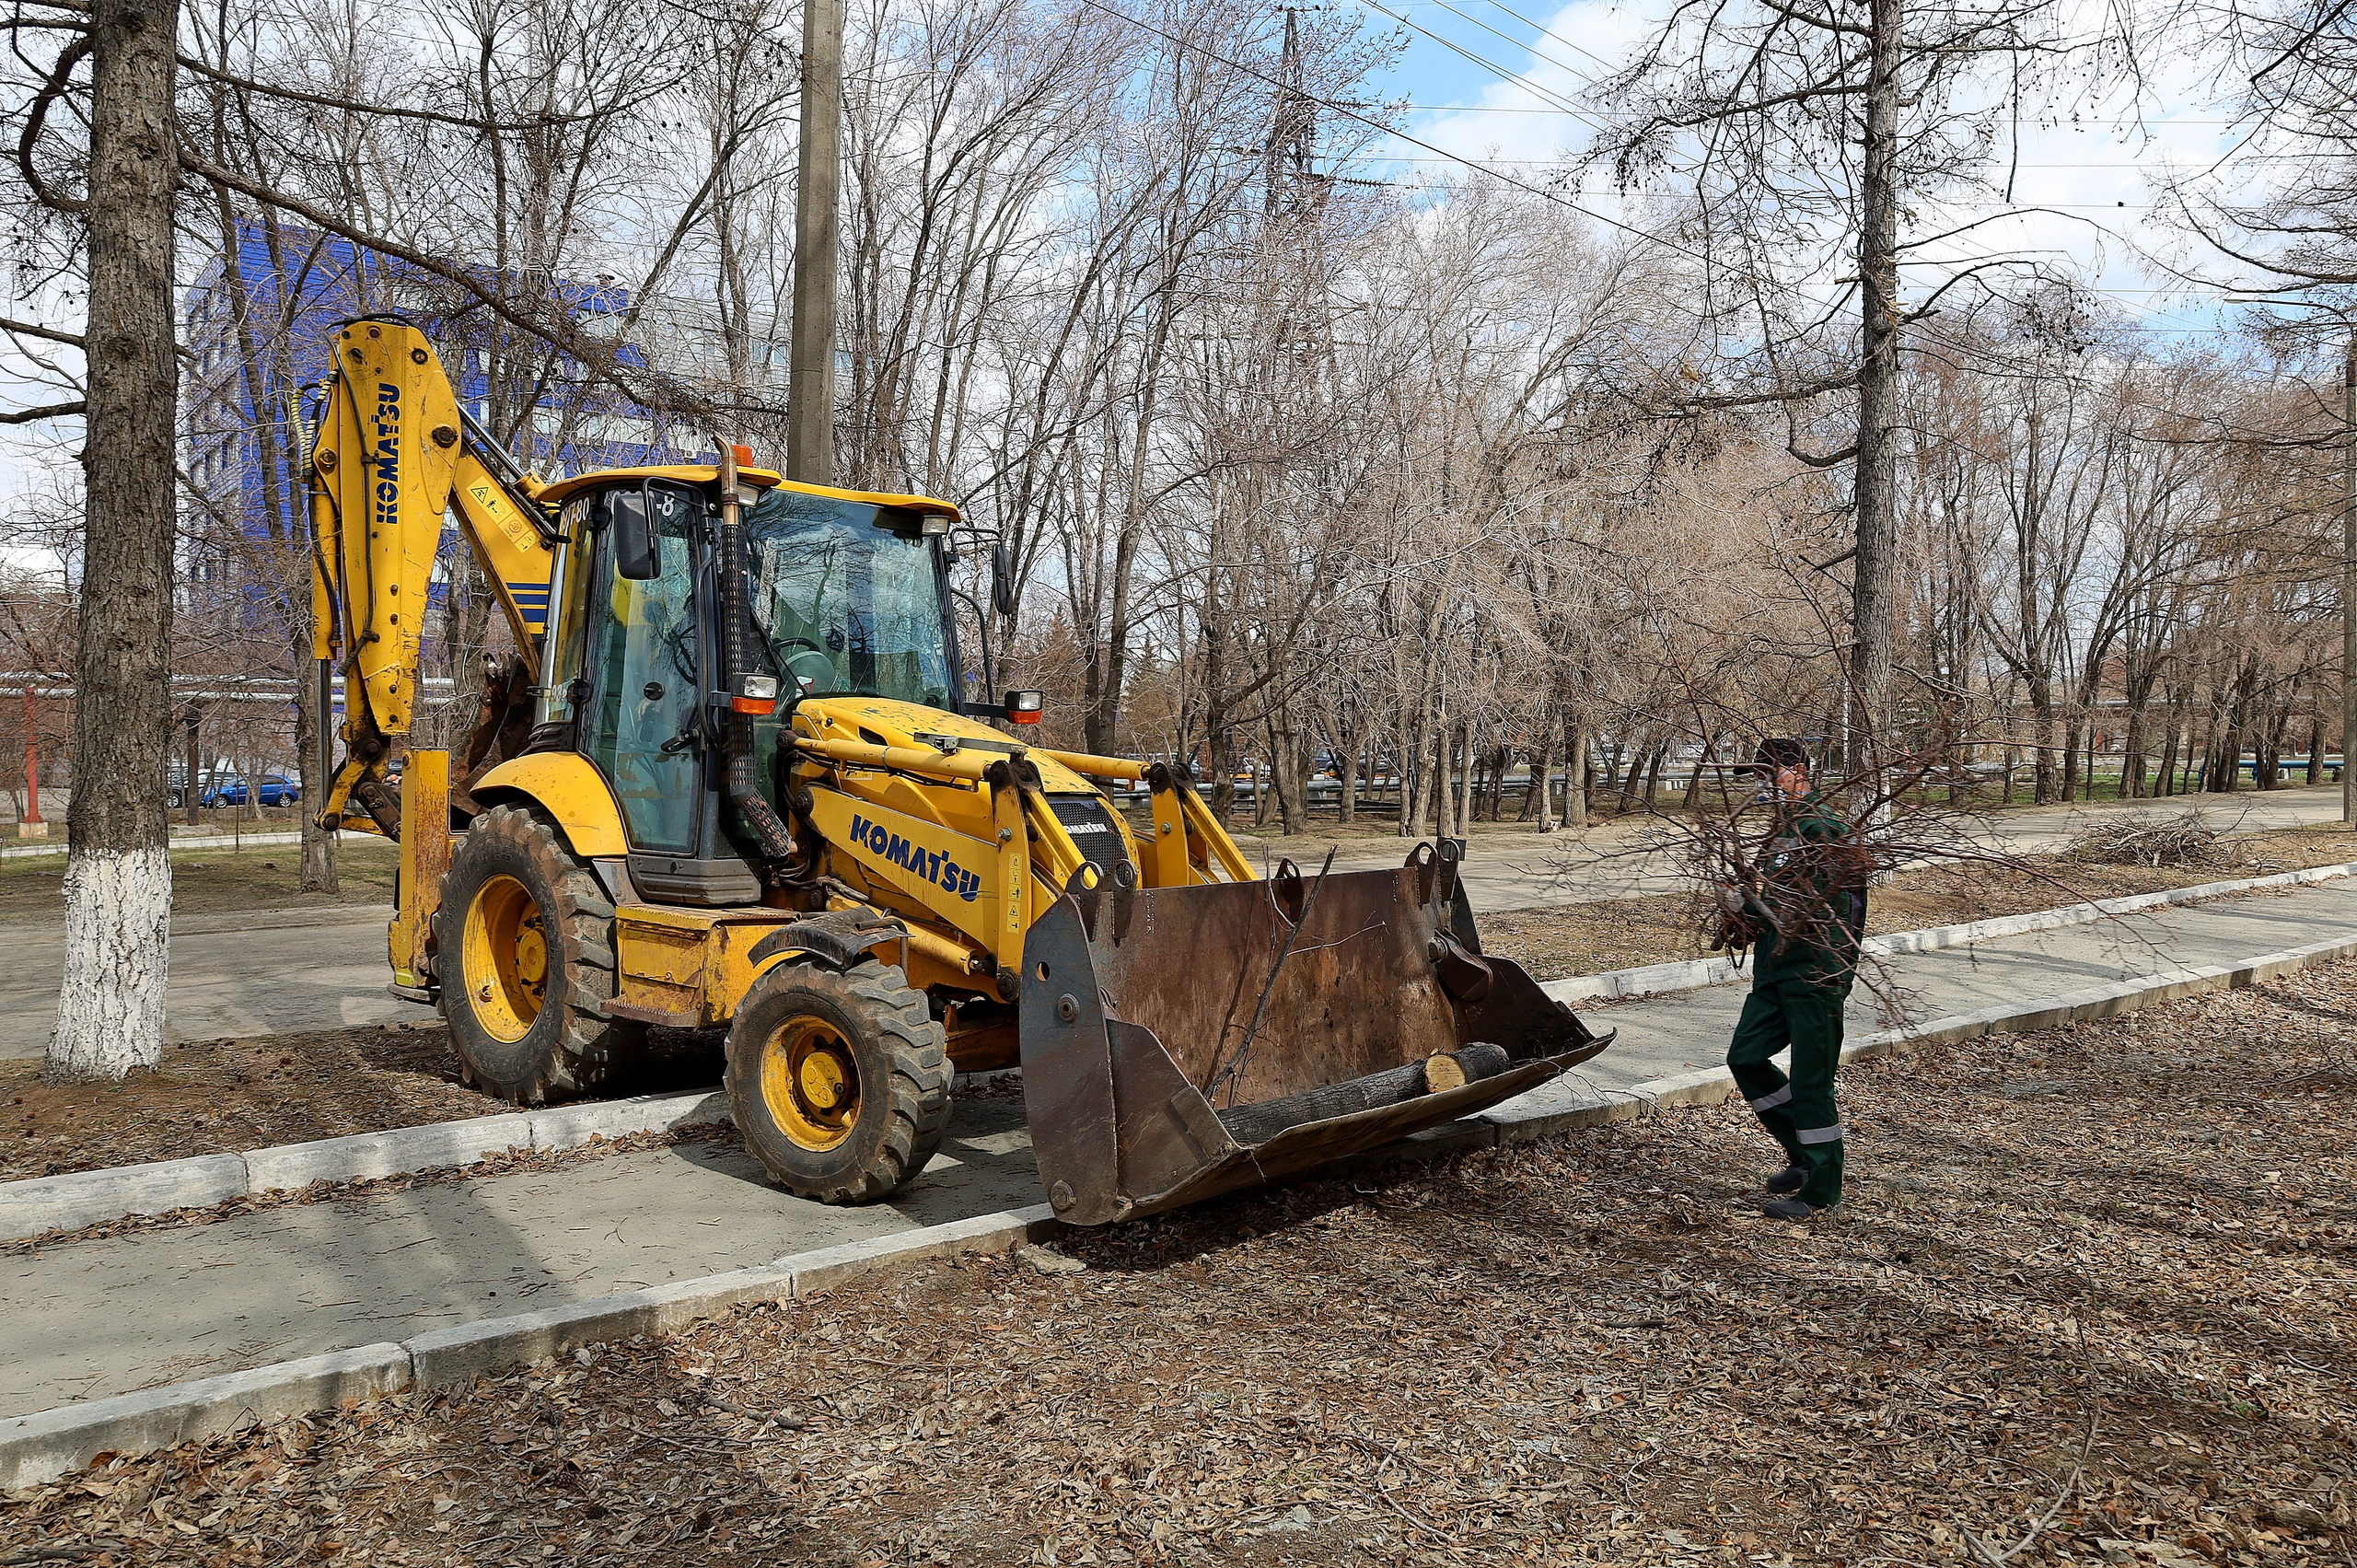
column 48, row 410
column 27, row 329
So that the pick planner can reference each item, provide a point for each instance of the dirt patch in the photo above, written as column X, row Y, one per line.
column 234, row 1094
column 1588, row 938
column 2093, row 1287
column 220, row 1096
column 218, row 880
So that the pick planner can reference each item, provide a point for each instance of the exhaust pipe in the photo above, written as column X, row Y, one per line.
column 744, row 787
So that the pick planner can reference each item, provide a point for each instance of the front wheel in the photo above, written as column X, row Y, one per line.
column 524, row 950
column 839, row 1082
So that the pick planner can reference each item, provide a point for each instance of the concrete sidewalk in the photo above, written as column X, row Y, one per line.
column 1678, row 1034
column 102, row 1316
column 263, row 971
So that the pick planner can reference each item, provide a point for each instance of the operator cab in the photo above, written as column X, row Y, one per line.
column 848, row 596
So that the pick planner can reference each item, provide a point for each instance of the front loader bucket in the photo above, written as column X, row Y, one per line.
column 1148, row 1086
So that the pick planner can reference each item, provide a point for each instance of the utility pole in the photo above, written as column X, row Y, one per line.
column 810, row 396
column 2349, row 583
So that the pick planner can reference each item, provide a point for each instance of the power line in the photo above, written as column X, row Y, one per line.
column 1919, row 329
column 1513, row 109
column 1571, row 71
column 1512, row 78
column 1350, row 113
column 1559, row 38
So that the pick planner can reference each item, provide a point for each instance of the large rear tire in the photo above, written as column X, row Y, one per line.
column 523, row 949
column 838, row 1081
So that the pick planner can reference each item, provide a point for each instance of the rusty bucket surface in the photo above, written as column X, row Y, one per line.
column 1184, row 1041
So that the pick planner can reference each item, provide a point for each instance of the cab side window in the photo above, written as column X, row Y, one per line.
column 644, row 686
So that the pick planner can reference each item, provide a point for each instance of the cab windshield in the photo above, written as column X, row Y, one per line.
column 846, row 599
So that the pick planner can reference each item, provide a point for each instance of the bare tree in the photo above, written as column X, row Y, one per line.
column 1798, row 135
column 119, row 879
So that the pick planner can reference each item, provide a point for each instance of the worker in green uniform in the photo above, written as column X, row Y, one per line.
column 1808, row 905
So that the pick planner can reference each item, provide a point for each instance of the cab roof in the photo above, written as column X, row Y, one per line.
column 761, row 479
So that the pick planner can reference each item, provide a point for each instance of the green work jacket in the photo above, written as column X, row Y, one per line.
column 1821, row 922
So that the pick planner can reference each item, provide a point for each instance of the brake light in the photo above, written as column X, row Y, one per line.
column 760, row 707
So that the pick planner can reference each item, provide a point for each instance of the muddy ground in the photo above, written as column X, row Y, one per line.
column 211, row 1097
column 2093, row 1298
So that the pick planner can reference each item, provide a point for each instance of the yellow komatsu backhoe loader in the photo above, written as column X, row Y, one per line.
column 731, row 782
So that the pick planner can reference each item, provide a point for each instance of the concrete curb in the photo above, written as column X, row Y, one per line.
column 1692, row 974
column 83, row 1197
column 1561, row 1107
column 92, row 1197
column 38, row 1449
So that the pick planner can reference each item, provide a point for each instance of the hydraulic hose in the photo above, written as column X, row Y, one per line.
column 744, row 787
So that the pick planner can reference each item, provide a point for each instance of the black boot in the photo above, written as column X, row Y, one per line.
column 1787, row 1209
column 1788, row 1180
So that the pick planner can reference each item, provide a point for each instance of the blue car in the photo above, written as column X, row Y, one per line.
column 275, row 789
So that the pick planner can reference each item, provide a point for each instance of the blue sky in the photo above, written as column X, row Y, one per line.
column 1518, row 107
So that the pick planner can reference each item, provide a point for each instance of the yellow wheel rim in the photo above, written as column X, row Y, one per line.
column 506, row 958
column 810, row 1082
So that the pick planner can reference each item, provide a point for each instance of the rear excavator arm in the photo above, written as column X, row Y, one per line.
column 396, row 454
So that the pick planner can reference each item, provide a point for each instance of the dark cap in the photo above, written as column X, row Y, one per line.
column 1779, row 752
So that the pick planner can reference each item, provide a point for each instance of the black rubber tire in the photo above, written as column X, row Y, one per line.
column 896, row 1041
column 571, row 1047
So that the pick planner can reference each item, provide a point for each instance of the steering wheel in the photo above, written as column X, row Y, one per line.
column 810, row 667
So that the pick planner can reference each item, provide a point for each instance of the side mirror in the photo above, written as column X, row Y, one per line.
column 1003, row 578
column 638, row 554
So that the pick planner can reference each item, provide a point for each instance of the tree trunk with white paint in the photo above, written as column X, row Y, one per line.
column 118, row 877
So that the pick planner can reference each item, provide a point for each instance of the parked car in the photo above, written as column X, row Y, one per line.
column 275, row 789
column 209, row 786
column 222, row 786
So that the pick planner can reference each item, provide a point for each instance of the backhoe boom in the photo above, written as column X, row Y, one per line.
column 396, row 454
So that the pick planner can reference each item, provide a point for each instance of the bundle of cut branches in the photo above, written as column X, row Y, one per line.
column 2186, row 839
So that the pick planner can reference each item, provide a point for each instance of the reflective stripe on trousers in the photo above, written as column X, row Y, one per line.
column 1771, row 1100
column 1818, row 1134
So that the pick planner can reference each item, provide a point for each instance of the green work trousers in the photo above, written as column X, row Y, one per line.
column 1799, row 1111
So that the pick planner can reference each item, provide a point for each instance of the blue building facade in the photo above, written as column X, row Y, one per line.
column 257, row 325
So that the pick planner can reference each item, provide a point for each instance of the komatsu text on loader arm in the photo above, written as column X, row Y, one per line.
column 733, row 782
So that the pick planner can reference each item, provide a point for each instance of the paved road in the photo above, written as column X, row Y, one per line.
column 103, row 1316
column 287, row 970
column 264, row 972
